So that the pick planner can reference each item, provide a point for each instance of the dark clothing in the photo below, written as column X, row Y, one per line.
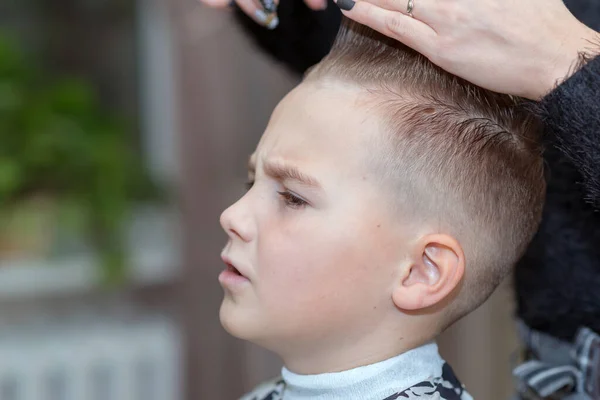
column 558, row 280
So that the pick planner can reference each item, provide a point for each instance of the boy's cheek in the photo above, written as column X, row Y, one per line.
column 315, row 265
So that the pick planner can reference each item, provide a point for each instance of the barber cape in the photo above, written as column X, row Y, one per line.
column 417, row 374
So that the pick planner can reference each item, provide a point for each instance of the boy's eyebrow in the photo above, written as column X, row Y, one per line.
column 283, row 172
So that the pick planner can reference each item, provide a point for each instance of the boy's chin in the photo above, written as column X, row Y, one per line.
column 234, row 320
column 245, row 325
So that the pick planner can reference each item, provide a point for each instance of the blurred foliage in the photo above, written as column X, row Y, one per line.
column 58, row 142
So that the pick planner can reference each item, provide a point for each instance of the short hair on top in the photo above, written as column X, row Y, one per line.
column 458, row 157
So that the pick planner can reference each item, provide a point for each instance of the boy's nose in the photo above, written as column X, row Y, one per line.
column 237, row 222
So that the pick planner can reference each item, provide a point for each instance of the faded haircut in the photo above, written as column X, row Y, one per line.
column 465, row 160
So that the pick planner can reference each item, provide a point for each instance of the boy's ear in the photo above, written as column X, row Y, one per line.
column 437, row 265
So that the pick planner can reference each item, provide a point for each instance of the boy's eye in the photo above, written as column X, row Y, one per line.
column 292, row 200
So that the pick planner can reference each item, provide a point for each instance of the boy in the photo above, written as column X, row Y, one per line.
column 388, row 200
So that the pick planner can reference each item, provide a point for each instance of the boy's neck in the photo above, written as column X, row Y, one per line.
column 345, row 355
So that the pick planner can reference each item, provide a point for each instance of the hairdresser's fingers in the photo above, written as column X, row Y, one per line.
column 396, row 25
column 419, row 10
column 216, row 3
column 266, row 5
column 250, row 8
column 316, row 5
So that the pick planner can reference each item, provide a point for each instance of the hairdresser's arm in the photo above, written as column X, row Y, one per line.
column 572, row 114
column 517, row 47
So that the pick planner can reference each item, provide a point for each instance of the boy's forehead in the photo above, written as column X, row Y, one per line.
column 318, row 120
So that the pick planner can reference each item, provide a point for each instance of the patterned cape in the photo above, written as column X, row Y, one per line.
column 445, row 387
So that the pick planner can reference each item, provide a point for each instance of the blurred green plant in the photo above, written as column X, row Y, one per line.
column 56, row 141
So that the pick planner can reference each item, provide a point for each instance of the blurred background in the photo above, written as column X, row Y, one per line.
column 125, row 127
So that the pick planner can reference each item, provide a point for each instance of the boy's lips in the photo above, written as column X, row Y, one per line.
column 231, row 277
column 231, row 267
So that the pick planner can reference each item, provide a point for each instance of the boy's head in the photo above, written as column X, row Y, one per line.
column 389, row 199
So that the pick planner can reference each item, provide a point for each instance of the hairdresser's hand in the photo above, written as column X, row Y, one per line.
column 517, row 47
column 255, row 10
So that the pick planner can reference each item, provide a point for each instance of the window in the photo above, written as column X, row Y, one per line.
column 118, row 54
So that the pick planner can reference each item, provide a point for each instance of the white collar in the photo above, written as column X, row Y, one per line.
column 377, row 380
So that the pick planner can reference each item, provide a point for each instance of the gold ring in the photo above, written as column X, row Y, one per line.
column 409, row 7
